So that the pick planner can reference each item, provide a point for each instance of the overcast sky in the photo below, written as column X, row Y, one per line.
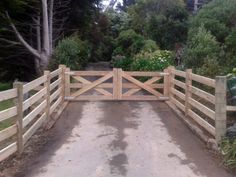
column 106, row 2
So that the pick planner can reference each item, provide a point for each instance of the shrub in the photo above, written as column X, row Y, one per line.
column 122, row 62
column 72, row 52
column 129, row 43
column 154, row 61
column 228, row 147
column 210, row 68
column 216, row 16
column 5, row 86
column 200, row 48
column 150, row 46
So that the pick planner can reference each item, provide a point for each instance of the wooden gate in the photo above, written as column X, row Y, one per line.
column 116, row 85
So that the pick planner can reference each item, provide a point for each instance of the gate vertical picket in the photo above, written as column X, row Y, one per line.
column 115, row 82
column 119, row 84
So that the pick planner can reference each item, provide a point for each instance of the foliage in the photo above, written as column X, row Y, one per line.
column 232, row 73
column 217, row 17
column 5, row 86
column 203, row 52
column 228, row 147
column 119, row 21
column 145, row 61
column 149, row 46
column 129, row 43
column 152, row 61
column 122, row 62
column 230, row 42
column 72, row 52
column 163, row 21
column 210, row 68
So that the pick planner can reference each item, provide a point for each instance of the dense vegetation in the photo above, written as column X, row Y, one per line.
column 210, row 48
column 135, row 35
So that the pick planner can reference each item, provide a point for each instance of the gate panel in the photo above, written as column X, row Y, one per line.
column 89, row 85
column 116, row 85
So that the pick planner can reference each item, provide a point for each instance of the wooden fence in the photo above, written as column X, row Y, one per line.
column 200, row 98
column 33, row 103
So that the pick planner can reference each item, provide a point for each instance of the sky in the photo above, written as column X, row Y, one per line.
column 106, row 2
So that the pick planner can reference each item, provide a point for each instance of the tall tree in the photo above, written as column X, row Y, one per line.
column 44, row 17
column 163, row 21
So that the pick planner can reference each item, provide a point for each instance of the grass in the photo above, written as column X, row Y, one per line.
column 5, row 105
column 5, row 86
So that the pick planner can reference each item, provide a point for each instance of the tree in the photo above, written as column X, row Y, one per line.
column 163, row 21
column 203, row 53
column 44, row 18
column 218, row 18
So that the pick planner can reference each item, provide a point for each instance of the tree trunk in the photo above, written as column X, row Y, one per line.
column 46, row 43
column 51, row 7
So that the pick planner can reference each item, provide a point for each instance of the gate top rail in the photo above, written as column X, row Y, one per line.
column 88, row 73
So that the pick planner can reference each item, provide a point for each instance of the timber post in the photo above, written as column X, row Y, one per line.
column 47, row 95
column 171, row 80
column 67, row 83
column 63, row 83
column 220, row 107
column 188, row 94
column 19, row 120
column 166, row 82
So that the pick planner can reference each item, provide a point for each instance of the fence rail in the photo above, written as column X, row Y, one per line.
column 200, row 98
column 33, row 103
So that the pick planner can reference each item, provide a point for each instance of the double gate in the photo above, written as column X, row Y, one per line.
column 116, row 85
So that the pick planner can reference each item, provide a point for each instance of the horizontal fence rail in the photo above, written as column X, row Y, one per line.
column 32, row 104
column 200, row 98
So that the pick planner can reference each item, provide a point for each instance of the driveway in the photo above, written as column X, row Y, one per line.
column 123, row 139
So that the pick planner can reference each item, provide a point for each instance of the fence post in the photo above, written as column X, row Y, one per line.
column 220, row 107
column 115, row 81
column 63, row 84
column 119, row 83
column 171, row 80
column 19, row 120
column 166, row 82
column 47, row 96
column 188, row 93
column 67, row 82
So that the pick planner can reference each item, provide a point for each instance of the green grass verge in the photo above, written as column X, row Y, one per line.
column 5, row 105
column 5, row 86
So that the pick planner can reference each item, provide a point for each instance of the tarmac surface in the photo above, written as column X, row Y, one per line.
column 123, row 139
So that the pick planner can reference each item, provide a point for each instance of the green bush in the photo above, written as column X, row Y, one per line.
column 164, row 21
column 5, row 86
column 149, row 46
column 72, row 52
column 228, row 148
column 202, row 51
column 210, row 68
column 122, row 62
column 154, row 61
column 129, row 43
column 216, row 16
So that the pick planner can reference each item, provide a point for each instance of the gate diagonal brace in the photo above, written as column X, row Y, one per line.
column 142, row 85
column 85, row 81
column 133, row 91
column 93, row 84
